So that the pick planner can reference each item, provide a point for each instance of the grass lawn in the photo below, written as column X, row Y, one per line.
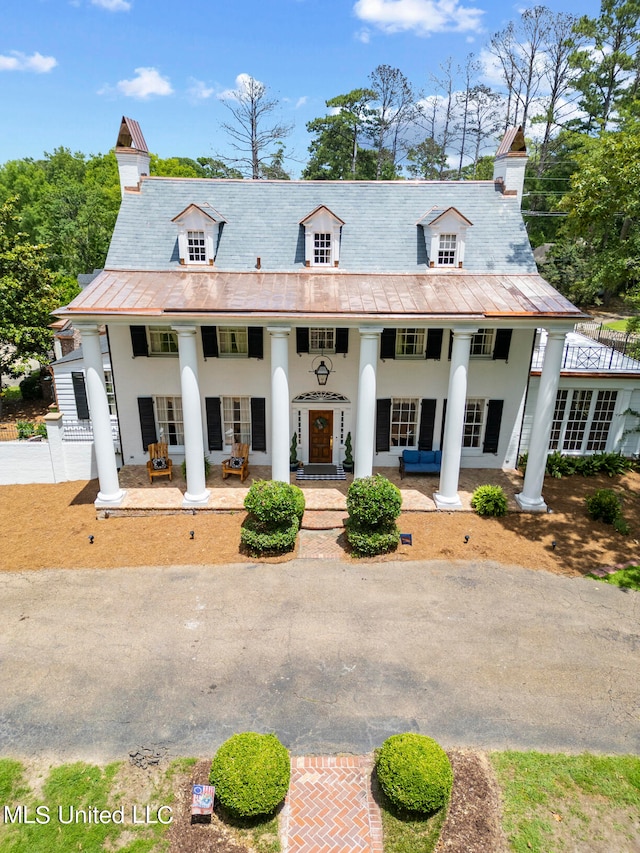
column 616, row 325
column 628, row 578
column 404, row 833
column 569, row 802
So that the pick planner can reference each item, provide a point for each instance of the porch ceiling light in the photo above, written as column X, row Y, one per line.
column 321, row 370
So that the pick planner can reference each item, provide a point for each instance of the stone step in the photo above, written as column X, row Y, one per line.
column 323, row 519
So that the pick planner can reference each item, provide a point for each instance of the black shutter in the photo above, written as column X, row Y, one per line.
column 80, row 393
column 444, row 418
column 214, row 423
column 147, row 421
column 342, row 341
column 383, row 424
column 492, row 429
column 139, row 341
column 258, row 424
column 502, row 344
column 388, row 343
column 427, row 421
column 302, row 340
column 209, row 341
column 434, row 343
column 254, row 340
column 450, row 345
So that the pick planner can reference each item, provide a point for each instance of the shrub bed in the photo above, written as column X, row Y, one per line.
column 489, row 500
column 373, row 504
column 414, row 773
column 275, row 514
column 251, row 774
column 560, row 465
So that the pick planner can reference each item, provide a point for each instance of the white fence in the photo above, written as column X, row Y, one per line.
column 48, row 461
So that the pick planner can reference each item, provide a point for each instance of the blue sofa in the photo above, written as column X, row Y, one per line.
column 420, row 462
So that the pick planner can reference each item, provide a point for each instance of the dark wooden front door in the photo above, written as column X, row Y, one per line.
column 320, row 437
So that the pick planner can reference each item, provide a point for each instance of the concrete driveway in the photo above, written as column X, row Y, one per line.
column 331, row 656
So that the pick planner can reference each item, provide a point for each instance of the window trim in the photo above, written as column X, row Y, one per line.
column 412, row 426
column 487, row 338
column 243, row 436
column 564, row 404
column 477, row 426
column 162, row 330
column 177, row 422
column 223, row 331
column 420, row 341
column 328, row 331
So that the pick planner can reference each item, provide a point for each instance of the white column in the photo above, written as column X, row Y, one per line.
column 197, row 492
column 530, row 498
column 447, row 495
column 110, row 492
column 366, row 408
column 279, row 402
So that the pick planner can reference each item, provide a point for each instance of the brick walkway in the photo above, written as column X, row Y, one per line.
column 329, row 807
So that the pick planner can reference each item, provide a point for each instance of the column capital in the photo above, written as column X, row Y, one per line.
column 463, row 331
column 370, row 331
column 558, row 334
column 279, row 331
column 186, row 329
column 87, row 328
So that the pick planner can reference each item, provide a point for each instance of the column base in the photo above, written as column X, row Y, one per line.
column 196, row 500
column 443, row 502
column 107, row 501
column 529, row 505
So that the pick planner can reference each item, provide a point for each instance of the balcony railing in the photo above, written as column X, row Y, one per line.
column 590, row 358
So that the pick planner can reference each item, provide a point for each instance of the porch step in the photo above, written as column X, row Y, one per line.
column 323, row 519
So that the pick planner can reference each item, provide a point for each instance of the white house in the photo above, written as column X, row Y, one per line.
column 402, row 312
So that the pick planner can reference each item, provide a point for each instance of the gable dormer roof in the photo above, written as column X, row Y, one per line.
column 130, row 136
column 438, row 213
column 203, row 209
column 318, row 209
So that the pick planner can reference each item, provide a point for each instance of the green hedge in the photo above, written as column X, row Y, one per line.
column 274, row 502
column 560, row 465
column 414, row 772
column 373, row 501
column 260, row 538
column 370, row 541
column 251, row 774
column 489, row 500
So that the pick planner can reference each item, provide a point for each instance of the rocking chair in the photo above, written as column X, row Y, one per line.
column 238, row 463
column 159, row 464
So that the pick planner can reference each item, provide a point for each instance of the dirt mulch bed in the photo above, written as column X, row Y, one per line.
column 48, row 526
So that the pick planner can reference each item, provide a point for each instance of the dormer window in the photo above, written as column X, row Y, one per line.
column 322, row 231
column 445, row 233
column 198, row 234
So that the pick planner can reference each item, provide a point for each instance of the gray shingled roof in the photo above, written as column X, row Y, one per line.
column 380, row 233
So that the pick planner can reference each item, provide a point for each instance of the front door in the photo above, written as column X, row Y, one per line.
column 320, row 437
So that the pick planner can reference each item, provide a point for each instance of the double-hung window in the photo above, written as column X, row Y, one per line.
column 111, row 395
column 321, row 249
column 236, row 414
column 196, row 247
column 410, row 343
column 473, row 422
column 233, row 340
column 170, row 423
column 322, row 340
column 404, row 421
column 162, row 341
column 482, row 343
column 447, row 250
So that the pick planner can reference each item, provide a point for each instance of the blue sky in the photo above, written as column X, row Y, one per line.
column 69, row 69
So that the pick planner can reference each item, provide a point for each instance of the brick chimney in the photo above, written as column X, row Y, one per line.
column 510, row 162
column 132, row 155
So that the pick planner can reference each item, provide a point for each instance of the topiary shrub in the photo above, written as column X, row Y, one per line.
column 604, row 505
column 251, row 773
column 489, row 500
column 275, row 514
column 373, row 504
column 414, row 772
column 263, row 539
column 271, row 501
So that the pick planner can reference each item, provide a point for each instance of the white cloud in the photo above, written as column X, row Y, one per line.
column 113, row 5
column 147, row 83
column 364, row 36
column 21, row 62
column 301, row 101
column 199, row 91
column 423, row 17
column 243, row 86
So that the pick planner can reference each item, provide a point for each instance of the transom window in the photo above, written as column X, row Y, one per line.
column 162, row 341
column 404, row 418
column 233, row 340
column 582, row 420
column 410, row 343
column 482, row 342
column 447, row 250
column 473, row 421
column 322, row 248
column 322, row 340
column 170, row 424
column 196, row 247
column 236, row 413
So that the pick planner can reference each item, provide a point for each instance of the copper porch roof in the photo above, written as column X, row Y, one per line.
column 329, row 294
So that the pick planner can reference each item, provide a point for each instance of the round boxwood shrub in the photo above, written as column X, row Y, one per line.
column 262, row 538
column 370, row 541
column 604, row 505
column 414, row 772
column 489, row 500
column 272, row 502
column 373, row 501
column 251, row 773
